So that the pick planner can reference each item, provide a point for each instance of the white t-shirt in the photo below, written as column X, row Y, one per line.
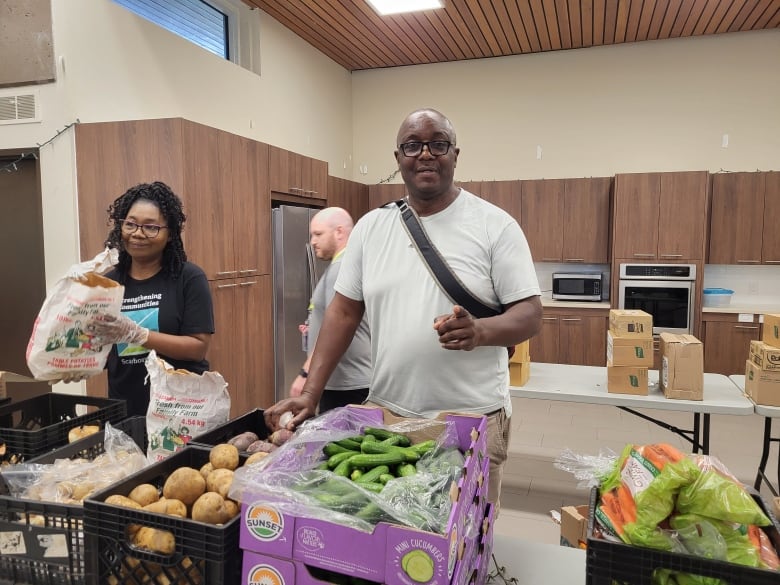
column 413, row 375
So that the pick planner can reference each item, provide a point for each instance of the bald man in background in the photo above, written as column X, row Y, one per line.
column 348, row 384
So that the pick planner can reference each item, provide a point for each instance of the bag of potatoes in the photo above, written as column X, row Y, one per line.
column 62, row 344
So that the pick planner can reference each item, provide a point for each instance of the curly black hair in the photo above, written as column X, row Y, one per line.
column 171, row 208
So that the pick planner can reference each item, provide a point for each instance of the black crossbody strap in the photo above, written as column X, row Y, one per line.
column 438, row 267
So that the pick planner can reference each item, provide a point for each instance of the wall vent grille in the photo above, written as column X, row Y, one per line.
column 19, row 108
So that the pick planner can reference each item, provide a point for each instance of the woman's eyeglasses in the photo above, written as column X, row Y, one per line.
column 150, row 230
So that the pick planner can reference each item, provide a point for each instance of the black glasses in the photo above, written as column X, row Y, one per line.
column 150, row 230
column 435, row 148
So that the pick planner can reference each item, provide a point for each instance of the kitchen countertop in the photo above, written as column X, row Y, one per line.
column 548, row 302
column 755, row 309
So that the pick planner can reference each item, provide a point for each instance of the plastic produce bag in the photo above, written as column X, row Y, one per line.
column 69, row 481
column 291, row 480
column 62, row 342
column 181, row 404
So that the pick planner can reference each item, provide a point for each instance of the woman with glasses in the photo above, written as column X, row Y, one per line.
column 167, row 304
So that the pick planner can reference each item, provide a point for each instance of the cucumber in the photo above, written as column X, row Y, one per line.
column 383, row 434
column 372, row 475
column 364, row 460
column 350, row 444
column 344, row 468
column 406, row 469
column 379, row 447
column 339, row 457
column 333, row 448
column 423, row 447
column 385, row 477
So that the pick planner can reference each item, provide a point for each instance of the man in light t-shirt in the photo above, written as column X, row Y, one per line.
column 428, row 355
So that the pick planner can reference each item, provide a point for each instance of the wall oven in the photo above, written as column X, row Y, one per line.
column 666, row 291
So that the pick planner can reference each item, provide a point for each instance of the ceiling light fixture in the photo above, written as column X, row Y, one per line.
column 385, row 7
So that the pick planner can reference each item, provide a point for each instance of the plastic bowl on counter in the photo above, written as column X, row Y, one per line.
column 717, row 297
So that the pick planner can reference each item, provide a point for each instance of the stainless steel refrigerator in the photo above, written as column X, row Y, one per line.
column 296, row 272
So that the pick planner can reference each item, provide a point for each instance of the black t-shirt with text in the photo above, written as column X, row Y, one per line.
column 177, row 306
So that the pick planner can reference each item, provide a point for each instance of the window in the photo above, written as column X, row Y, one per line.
column 198, row 21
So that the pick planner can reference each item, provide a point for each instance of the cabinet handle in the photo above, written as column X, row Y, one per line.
column 247, row 271
column 748, row 261
column 745, row 327
column 771, row 261
column 574, row 259
column 227, row 273
column 247, row 283
column 570, row 319
column 644, row 255
column 549, row 318
column 671, row 255
column 227, row 285
column 550, row 259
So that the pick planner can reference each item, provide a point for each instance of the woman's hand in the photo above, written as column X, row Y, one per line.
column 109, row 329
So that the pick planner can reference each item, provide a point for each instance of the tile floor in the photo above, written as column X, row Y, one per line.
column 542, row 429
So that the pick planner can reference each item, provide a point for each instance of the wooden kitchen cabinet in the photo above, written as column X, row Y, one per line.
column 473, row 187
column 571, row 336
column 660, row 217
column 382, row 193
column 745, row 216
column 242, row 347
column 348, row 195
column 503, row 194
column 296, row 174
column 223, row 182
column 567, row 220
column 221, row 178
column 727, row 342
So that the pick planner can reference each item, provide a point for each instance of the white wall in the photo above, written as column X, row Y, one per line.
column 113, row 65
column 652, row 106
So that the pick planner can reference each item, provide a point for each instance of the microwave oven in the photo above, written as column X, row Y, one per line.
column 577, row 286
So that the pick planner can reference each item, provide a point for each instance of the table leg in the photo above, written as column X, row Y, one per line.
column 696, row 432
column 764, row 453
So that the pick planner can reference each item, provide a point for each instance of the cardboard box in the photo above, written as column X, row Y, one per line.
column 682, row 366
column 765, row 356
column 771, row 330
column 629, row 351
column 376, row 556
column 761, row 386
column 777, row 507
column 522, row 353
column 574, row 526
column 627, row 380
column 519, row 373
column 630, row 322
column 6, row 377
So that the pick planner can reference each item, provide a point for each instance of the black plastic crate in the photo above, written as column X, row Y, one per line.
column 251, row 421
column 40, row 523
column 34, row 426
column 609, row 562
column 205, row 553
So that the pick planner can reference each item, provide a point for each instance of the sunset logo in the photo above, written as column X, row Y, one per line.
column 264, row 522
column 264, row 575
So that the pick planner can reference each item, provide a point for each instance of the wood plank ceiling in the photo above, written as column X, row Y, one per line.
column 353, row 35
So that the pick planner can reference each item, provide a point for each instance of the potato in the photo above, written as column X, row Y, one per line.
column 224, row 456
column 168, row 506
column 261, row 447
column 185, row 484
column 280, row 436
column 242, row 441
column 232, row 508
column 77, row 433
column 206, row 469
column 210, row 508
column 144, row 494
column 255, row 457
column 124, row 501
column 220, row 481
column 155, row 540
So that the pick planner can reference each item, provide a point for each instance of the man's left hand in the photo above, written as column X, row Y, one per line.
column 457, row 330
